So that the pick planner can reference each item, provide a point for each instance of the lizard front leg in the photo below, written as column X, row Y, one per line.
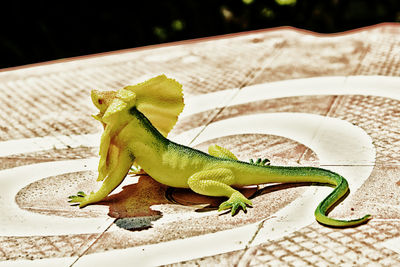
column 122, row 161
column 217, row 182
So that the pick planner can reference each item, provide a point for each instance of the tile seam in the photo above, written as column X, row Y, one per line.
column 240, row 87
column 92, row 243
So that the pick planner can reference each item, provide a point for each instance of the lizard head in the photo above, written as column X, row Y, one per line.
column 110, row 103
column 102, row 99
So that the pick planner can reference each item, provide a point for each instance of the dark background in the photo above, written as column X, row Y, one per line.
column 36, row 31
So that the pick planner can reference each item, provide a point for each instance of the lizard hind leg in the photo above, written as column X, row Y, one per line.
column 217, row 182
column 221, row 152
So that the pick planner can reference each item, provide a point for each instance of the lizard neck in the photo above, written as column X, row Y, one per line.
column 143, row 140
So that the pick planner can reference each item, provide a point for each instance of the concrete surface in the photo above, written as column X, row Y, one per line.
column 295, row 97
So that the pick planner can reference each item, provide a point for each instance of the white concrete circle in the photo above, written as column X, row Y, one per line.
column 334, row 141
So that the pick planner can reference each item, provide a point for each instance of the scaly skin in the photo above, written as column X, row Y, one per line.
column 131, row 137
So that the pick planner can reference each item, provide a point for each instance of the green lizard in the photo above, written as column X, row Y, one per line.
column 136, row 121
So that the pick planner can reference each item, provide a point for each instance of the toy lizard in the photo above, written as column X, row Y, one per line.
column 136, row 121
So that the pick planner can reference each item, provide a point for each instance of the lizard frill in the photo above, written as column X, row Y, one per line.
column 160, row 99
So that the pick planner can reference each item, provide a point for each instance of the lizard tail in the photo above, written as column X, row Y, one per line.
column 280, row 174
column 331, row 201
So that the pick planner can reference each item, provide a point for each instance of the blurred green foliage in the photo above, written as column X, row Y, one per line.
column 35, row 31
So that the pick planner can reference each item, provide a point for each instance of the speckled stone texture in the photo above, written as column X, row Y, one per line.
column 51, row 101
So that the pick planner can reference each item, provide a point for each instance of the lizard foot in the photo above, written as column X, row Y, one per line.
column 80, row 199
column 261, row 162
column 136, row 170
column 237, row 200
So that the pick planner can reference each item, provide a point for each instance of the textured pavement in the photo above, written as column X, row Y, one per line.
column 295, row 97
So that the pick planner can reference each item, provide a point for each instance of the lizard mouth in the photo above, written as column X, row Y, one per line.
column 98, row 116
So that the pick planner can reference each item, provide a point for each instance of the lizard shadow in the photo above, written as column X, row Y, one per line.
column 131, row 207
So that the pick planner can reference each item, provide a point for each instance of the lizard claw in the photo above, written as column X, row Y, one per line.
column 80, row 199
column 81, row 194
column 136, row 170
column 261, row 162
column 236, row 201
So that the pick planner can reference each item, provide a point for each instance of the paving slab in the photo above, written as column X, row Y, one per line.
column 294, row 97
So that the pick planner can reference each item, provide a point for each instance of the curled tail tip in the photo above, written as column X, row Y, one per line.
column 364, row 219
column 324, row 220
column 367, row 217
